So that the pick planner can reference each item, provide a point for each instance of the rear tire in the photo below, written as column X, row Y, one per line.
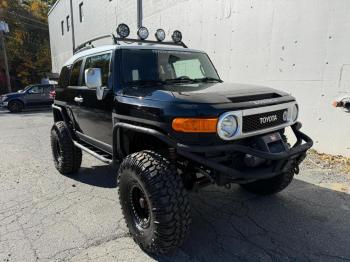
column 15, row 106
column 154, row 202
column 270, row 186
column 67, row 157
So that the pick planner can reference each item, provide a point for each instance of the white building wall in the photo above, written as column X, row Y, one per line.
column 300, row 46
column 100, row 17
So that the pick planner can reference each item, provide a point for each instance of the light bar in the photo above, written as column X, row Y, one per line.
column 160, row 35
column 177, row 36
column 123, row 30
column 142, row 33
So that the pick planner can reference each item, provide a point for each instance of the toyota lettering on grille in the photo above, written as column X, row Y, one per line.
column 268, row 119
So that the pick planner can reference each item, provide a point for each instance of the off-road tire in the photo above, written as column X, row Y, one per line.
column 270, row 186
column 15, row 106
column 67, row 157
column 168, row 204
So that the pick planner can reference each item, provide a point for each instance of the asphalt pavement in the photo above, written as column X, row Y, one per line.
column 45, row 216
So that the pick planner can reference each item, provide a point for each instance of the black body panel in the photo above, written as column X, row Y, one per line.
column 150, row 109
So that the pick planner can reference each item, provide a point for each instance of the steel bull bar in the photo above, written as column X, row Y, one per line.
column 284, row 161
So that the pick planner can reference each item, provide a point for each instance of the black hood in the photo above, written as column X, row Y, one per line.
column 204, row 93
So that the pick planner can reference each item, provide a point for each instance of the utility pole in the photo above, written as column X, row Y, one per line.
column 72, row 24
column 139, row 13
column 4, row 28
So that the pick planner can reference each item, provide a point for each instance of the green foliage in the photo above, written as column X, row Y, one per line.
column 28, row 43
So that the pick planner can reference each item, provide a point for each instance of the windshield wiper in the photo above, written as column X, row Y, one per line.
column 146, row 82
column 181, row 79
column 208, row 79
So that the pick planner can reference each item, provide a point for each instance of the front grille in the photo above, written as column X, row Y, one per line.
column 262, row 121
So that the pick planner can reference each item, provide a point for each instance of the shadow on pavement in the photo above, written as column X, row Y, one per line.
column 305, row 222
column 100, row 176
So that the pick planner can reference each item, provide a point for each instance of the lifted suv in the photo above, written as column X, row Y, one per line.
column 160, row 112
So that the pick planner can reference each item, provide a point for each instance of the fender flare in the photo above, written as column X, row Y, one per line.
column 117, row 150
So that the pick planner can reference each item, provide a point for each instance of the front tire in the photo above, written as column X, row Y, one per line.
column 270, row 186
column 67, row 157
column 15, row 107
column 154, row 202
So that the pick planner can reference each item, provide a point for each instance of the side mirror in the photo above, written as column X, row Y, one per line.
column 93, row 79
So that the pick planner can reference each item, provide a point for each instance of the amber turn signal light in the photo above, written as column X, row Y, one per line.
column 195, row 125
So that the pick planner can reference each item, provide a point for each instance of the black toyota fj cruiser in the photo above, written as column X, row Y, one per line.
column 160, row 112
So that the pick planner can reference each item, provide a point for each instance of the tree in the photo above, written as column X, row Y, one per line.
column 28, row 41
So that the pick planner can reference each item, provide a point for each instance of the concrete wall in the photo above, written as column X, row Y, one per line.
column 301, row 46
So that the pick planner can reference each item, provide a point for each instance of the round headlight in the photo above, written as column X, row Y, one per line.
column 227, row 126
column 295, row 112
column 142, row 33
column 160, row 35
column 177, row 36
column 123, row 30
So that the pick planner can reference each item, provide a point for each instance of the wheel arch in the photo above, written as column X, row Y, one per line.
column 129, row 138
column 17, row 99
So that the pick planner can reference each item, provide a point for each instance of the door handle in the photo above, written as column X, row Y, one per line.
column 79, row 99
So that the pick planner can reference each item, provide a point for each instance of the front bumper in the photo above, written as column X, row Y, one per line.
column 279, row 162
column 223, row 173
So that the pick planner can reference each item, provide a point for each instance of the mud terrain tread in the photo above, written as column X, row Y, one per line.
column 168, row 197
column 71, row 156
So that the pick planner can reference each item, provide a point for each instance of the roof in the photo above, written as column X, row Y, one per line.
column 105, row 48
column 53, row 7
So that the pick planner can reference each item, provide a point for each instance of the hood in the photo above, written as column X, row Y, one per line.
column 215, row 93
column 15, row 94
column 204, row 93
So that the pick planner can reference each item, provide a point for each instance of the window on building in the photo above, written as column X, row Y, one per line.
column 75, row 73
column 102, row 62
column 62, row 27
column 81, row 12
column 68, row 22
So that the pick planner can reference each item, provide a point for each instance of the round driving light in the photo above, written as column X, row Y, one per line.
column 177, row 36
column 142, row 33
column 123, row 30
column 227, row 126
column 295, row 112
column 160, row 35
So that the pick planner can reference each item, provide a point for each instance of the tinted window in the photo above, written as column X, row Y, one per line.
column 155, row 65
column 99, row 61
column 36, row 90
column 74, row 76
column 63, row 81
column 48, row 88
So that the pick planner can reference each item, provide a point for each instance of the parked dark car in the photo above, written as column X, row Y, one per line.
column 31, row 96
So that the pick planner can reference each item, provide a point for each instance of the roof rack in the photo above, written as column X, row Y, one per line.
column 88, row 44
column 131, row 40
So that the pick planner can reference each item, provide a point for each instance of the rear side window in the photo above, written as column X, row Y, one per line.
column 75, row 73
column 36, row 90
column 99, row 61
column 63, row 80
column 48, row 88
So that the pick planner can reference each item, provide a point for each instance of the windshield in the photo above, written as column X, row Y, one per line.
column 141, row 66
column 26, row 88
